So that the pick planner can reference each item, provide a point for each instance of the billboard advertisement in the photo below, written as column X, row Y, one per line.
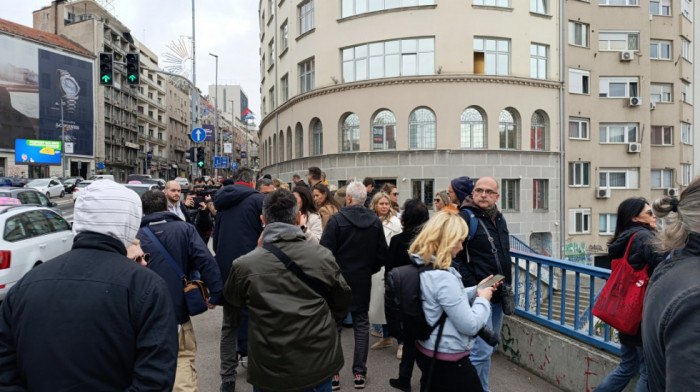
column 209, row 129
column 40, row 152
column 35, row 83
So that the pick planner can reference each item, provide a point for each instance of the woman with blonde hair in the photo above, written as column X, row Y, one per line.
column 467, row 309
column 393, row 192
column 670, row 319
column 381, row 205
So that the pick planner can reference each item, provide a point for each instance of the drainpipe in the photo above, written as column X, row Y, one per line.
column 277, row 120
column 562, row 129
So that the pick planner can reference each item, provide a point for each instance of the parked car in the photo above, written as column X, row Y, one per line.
column 5, row 181
column 70, row 183
column 49, row 186
column 183, row 182
column 138, row 177
column 19, row 181
column 102, row 177
column 157, row 181
column 81, row 185
column 140, row 189
column 29, row 196
column 31, row 235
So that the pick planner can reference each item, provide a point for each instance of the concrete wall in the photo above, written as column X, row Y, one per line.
column 565, row 362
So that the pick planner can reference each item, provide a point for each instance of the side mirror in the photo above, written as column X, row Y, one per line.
column 53, row 204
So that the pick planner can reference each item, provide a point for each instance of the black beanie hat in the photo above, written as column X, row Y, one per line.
column 463, row 187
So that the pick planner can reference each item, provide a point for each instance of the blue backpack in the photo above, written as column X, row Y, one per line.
column 473, row 222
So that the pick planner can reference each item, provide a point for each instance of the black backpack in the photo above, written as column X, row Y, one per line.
column 403, row 304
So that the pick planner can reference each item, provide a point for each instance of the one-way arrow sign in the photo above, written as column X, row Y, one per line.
column 198, row 135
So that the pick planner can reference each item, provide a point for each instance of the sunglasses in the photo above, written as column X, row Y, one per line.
column 146, row 257
column 437, row 200
column 395, row 194
column 649, row 212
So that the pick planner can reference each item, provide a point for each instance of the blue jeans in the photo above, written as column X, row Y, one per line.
column 481, row 352
column 325, row 387
column 631, row 364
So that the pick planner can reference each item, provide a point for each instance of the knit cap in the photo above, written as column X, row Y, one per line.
column 108, row 208
column 463, row 187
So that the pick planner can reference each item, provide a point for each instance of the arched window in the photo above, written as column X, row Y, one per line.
column 508, row 130
column 275, row 151
column 281, row 145
column 538, row 131
column 473, row 130
column 300, row 140
column 290, row 143
column 421, row 129
column 384, row 131
column 316, row 137
column 350, row 133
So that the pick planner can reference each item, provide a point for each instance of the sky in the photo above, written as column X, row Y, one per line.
column 227, row 28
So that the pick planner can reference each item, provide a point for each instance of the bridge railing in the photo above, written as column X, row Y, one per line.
column 553, row 273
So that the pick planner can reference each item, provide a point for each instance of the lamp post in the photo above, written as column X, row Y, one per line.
column 233, row 126
column 216, row 113
column 63, row 140
column 194, row 97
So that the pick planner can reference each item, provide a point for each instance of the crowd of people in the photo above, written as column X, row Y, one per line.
column 312, row 258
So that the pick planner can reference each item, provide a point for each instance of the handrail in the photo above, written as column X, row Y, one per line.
column 517, row 243
column 582, row 328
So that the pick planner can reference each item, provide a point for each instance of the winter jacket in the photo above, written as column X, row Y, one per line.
column 670, row 322
column 294, row 343
column 442, row 291
column 201, row 219
column 398, row 250
column 88, row 320
column 476, row 261
column 355, row 236
column 392, row 227
column 326, row 212
column 314, row 228
column 188, row 250
column 238, row 225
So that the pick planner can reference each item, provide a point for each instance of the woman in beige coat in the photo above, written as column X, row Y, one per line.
column 325, row 203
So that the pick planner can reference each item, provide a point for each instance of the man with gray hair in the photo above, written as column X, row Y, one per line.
column 355, row 236
column 274, row 293
column 91, row 319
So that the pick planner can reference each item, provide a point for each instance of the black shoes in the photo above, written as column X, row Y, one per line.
column 401, row 383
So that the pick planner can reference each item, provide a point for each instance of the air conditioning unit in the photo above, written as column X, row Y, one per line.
column 602, row 193
column 635, row 101
column 626, row 55
column 652, row 105
column 673, row 192
column 634, row 147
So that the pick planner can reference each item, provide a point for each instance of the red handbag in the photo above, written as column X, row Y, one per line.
column 622, row 298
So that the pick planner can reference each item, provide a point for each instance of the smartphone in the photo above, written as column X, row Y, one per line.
column 496, row 278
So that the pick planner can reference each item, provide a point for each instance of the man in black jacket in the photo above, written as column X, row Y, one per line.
column 355, row 236
column 91, row 319
column 236, row 232
column 477, row 260
column 189, row 252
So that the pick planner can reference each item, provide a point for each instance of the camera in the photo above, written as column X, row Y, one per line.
column 489, row 336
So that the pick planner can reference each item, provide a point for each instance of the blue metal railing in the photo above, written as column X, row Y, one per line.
column 555, row 274
column 517, row 244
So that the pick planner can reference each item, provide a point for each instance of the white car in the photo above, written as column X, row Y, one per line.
column 51, row 187
column 140, row 189
column 31, row 235
column 183, row 182
column 79, row 187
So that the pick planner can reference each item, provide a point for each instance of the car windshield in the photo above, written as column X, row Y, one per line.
column 35, row 183
column 140, row 190
column 84, row 184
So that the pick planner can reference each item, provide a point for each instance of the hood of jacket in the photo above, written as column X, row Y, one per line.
column 232, row 195
column 278, row 230
column 164, row 216
column 359, row 216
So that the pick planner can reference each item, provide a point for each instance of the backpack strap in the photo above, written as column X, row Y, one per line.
column 164, row 252
column 473, row 223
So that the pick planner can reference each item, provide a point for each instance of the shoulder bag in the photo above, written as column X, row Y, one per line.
column 507, row 294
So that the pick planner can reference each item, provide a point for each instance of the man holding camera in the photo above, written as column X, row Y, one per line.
column 197, row 204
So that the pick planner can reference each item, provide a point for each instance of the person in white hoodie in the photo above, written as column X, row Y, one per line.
column 467, row 309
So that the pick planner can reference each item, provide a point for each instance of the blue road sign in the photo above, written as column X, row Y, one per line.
column 244, row 154
column 100, row 165
column 198, row 135
column 234, row 165
column 217, row 162
column 224, row 162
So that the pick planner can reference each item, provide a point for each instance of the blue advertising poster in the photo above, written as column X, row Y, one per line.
column 70, row 81
column 46, row 152
column 209, row 129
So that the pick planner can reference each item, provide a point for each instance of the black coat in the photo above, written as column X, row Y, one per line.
column 88, row 320
column 201, row 219
column 355, row 236
column 188, row 250
column 670, row 322
column 398, row 250
column 238, row 225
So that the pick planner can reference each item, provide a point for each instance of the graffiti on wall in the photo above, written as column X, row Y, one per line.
column 576, row 252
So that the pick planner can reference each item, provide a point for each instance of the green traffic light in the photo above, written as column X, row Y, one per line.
column 200, row 163
column 132, row 78
column 106, row 78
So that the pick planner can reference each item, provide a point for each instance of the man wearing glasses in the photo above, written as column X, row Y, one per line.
column 478, row 260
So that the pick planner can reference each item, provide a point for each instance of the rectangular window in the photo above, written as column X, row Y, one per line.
column 356, row 7
column 662, row 178
column 686, row 49
column 538, row 61
column 687, row 9
column 493, row 3
column 387, row 59
column 618, row 132
column 578, row 33
column 580, row 221
column 271, row 52
column 686, row 133
column 306, row 16
column 539, row 6
column 284, row 82
column 272, row 98
column 578, row 128
column 661, row 136
column 607, row 224
column 579, row 174
column 491, row 56
column 618, row 40
column 612, row 87
column 628, row 3
column 510, row 195
column 424, row 191
column 660, row 50
column 579, row 81
column 661, row 92
column 619, row 178
column 306, row 75
column 686, row 92
column 264, row 107
column 660, row 7
column 540, row 194
column 284, row 34
column 687, row 170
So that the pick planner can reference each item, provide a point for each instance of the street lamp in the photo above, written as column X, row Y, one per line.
column 216, row 113
column 233, row 127
column 63, row 139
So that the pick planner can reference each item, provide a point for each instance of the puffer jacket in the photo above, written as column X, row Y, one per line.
column 294, row 343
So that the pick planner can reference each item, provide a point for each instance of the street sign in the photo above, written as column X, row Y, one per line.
column 100, row 165
column 69, row 148
column 244, row 154
column 217, row 162
column 198, row 135
column 224, row 163
column 228, row 148
column 234, row 165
